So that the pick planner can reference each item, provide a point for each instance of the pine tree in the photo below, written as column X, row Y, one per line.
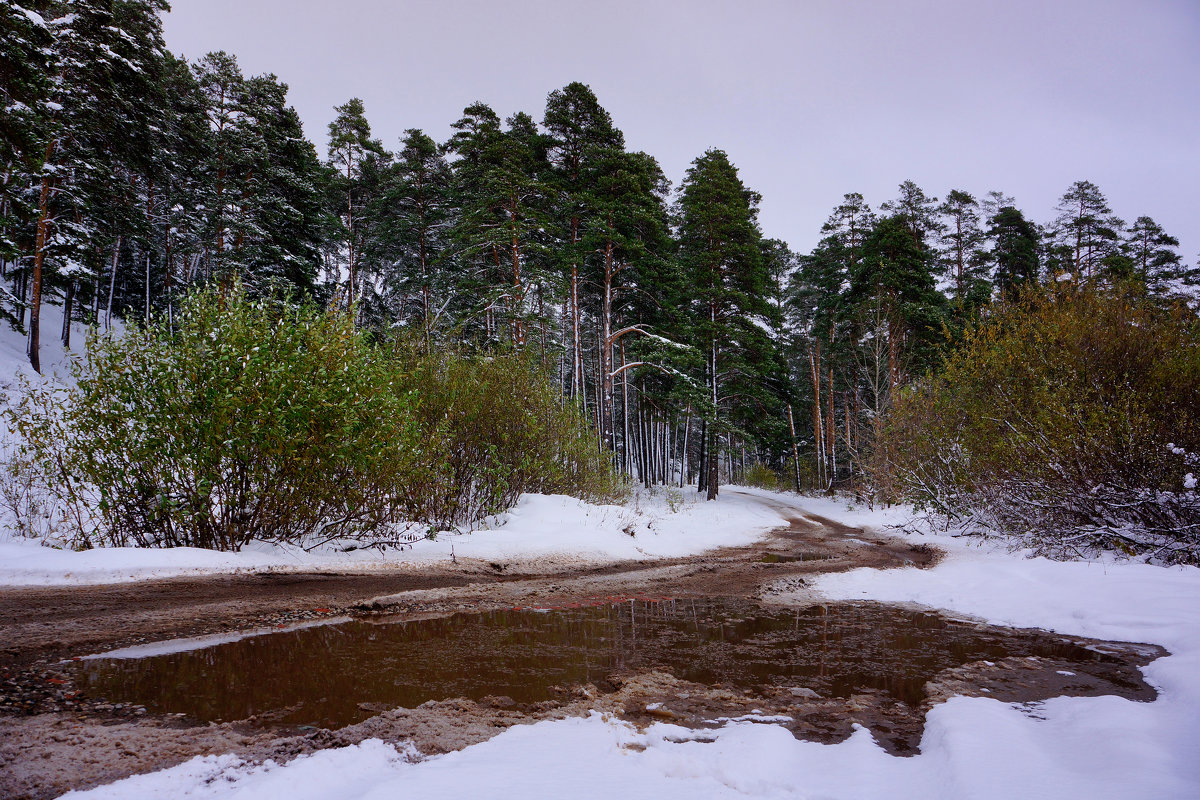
column 414, row 212
column 827, row 320
column 918, row 211
column 1153, row 255
column 581, row 138
column 221, row 85
column 962, row 256
column 625, row 237
column 896, row 273
column 1087, row 226
column 282, row 248
column 104, row 54
column 356, row 157
column 1014, row 252
column 500, row 189
column 25, row 55
column 720, row 250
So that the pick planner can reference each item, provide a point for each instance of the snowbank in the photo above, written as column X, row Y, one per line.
column 542, row 532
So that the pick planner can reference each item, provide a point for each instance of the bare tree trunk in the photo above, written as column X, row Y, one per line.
column 39, row 260
column 112, row 284
column 68, row 305
column 795, row 447
column 714, row 455
column 684, row 473
column 831, row 427
column 814, row 357
column 606, row 394
column 518, row 289
column 628, row 461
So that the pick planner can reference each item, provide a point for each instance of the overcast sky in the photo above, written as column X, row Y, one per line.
column 811, row 100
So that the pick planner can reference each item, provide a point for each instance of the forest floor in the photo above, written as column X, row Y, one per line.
column 54, row 737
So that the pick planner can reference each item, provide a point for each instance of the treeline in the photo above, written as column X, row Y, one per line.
column 695, row 347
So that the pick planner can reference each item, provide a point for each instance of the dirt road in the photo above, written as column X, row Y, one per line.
column 53, row 737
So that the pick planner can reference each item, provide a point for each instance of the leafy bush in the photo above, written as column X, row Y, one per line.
column 763, row 477
column 1070, row 420
column 498, row 427
column 249, row 420
column 253, row 420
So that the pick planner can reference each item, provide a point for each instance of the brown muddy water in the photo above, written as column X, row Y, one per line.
column 336, row 675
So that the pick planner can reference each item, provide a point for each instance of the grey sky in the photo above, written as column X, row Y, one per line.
column 810, row 99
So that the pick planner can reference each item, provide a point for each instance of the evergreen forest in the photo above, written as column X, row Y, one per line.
column 693, row 350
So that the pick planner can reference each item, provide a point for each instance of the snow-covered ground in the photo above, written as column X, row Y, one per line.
column 541, row 532
column 1102, row 747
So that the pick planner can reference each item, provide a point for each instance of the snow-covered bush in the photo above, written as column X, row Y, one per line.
column 1071, row 420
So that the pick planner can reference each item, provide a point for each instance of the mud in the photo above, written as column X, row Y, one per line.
column 73, row 725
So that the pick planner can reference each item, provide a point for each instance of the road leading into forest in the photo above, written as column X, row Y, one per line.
column 57, row 622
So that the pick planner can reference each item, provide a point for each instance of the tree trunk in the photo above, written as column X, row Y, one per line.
column 795, row 447
column 606, row 395
column 39, row 259
column 814, row 372
column 684, row 474
column 831, row 428
column 518, row 289
column 714, row 453
column 112, row 284
column 68, row 304
column 626, row 461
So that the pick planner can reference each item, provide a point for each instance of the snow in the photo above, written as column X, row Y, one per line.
column 172, row 646
column 976, row 748
column 541, row 533
column 34, row 18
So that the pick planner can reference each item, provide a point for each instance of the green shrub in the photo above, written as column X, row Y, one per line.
column 253, row 420
column 1071, row 420
column 499, row 427
column 249, row 420
column 763, row 477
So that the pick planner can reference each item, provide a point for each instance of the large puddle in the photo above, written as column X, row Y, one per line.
column 335, row 675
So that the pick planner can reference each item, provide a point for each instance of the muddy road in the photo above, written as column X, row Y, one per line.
column 66, row 723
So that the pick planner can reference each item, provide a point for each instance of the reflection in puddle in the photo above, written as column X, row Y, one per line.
column 330, row 676
column 780, row 558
